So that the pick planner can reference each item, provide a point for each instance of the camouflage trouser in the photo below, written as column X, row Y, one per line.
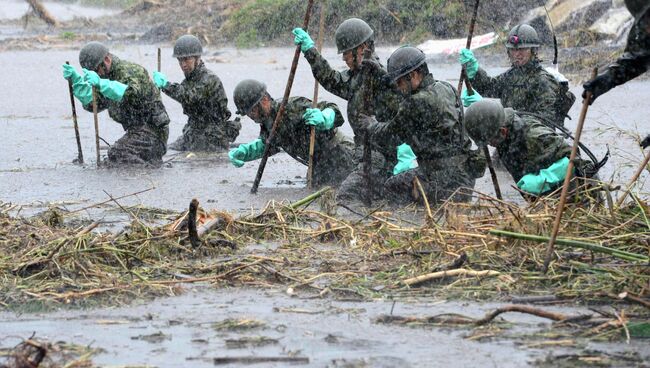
column 438, row 185
column 212, row 138
column 139, row 146
column 355, row 187
column 333, row 160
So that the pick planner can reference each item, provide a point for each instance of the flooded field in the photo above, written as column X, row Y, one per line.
column 36, row 171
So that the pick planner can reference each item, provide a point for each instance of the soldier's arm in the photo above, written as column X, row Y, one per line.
column 486, row 85
column 338, row 117
column 333, row 81
column 102, row 104
column 635, row 59
column 176, row 91
column 544, row 147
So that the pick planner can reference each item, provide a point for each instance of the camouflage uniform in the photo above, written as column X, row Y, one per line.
column 332, row 152
column 366, row 94
column 141, row 114
column 205, row 103
column 526, row 88
column 429, row 120
column 532, row 146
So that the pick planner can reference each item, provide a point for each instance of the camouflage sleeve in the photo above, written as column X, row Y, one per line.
column 544, row 147
column 337, row 83
column 175, row 91
column 487, row 86
column 102, row 104
column 141, row 87
column 218, row 100
column 635, row 59
column 542, row 97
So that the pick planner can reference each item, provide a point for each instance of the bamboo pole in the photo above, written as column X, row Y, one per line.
column 567, row 178
column 312, row 130
column 574, row 243
column 635, row 177
column 283, row 104
column 159, row 63
column 96, row 126
column 80, row 154
column 468, row 44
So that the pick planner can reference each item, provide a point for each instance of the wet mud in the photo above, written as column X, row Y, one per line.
column 204, row 324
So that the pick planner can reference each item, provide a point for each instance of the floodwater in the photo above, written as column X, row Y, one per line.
column 39, row 143
column 179, row 331
column 36, row 170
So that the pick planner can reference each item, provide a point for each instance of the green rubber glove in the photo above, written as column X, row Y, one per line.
column 71, row 74
column 468, row 100
column 405, row 159
column 303, row 39
column 546, row 179
column 160, row 79
column 83, row 92
column 246, row 152
column 471, row 64
column 321, row 120
column 113, row 90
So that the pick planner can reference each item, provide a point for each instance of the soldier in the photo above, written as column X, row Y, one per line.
column 635, row 59
column 132, row 99
column 429, row 120
column 533, row 153
column 333, row 151
column 363, row 87
column 203, row 99
column 526, row 86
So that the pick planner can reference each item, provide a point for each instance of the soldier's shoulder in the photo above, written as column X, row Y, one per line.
column 131, row 70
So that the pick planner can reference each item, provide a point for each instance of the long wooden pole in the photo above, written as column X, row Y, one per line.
column 567, row 179
column 80, row 154
column 486, row 151
column 643, row 166
column 96, row 125
column 468, row 44
column 312, row 130
column 285, row 99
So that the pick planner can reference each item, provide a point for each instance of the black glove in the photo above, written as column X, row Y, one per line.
column 598, row 86
column 645, row 142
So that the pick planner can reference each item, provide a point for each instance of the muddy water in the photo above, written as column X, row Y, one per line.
column 39, row 143
column 35, row 168
column 329, row 333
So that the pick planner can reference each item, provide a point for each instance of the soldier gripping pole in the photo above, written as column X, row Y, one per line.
column 285, row 99
column 312, row 131
column 80, row 154
column 567, row 178
column 468, row 45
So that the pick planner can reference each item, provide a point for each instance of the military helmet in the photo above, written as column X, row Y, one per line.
column 522, row 36
column 248, row 93
column 92, row 54
column 637, row 8
column 352, row 33
column 483, row 120
column 404, row 60
column 187, row 45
